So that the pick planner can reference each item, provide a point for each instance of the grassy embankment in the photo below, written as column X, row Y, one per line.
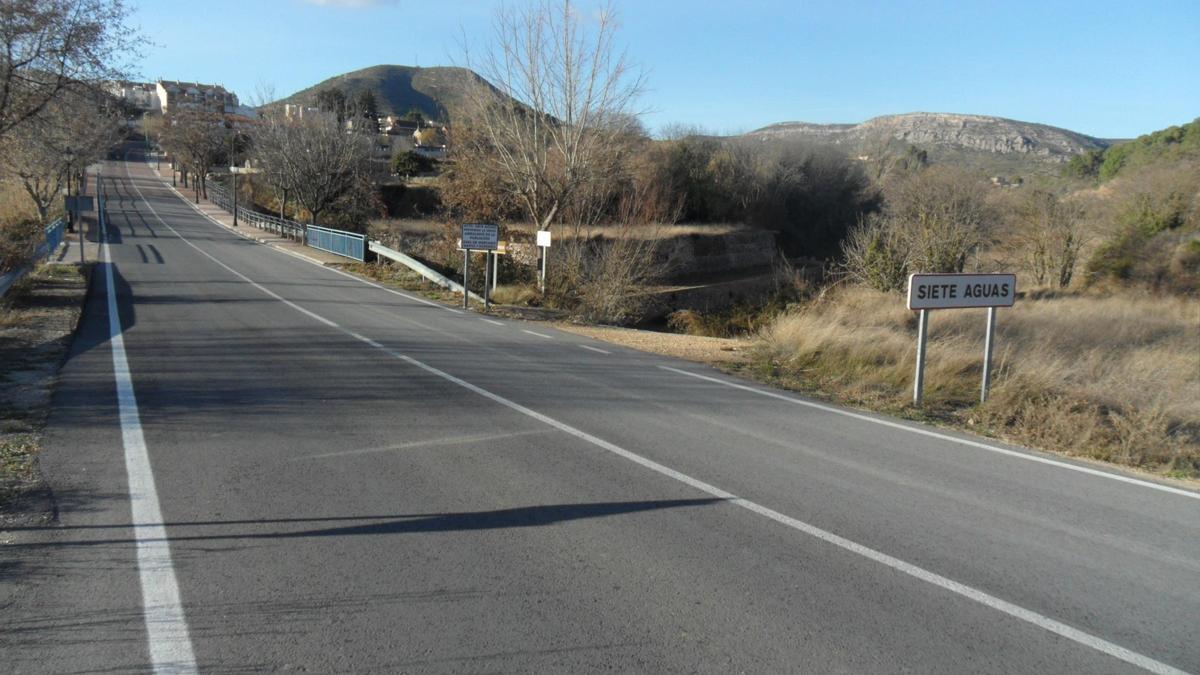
column 1114, row 378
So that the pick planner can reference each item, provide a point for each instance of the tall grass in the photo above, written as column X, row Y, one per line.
column 1114, row 378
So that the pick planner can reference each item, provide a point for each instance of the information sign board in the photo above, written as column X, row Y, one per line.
column 954, row 291
column 79, row 203
column 480, row 236
column 543, row 238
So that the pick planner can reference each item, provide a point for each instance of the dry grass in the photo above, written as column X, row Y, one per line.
column 1114, row 378
column 515, row 294
column 37, row 319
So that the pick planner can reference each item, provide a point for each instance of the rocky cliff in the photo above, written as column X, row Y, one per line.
column 944, row 132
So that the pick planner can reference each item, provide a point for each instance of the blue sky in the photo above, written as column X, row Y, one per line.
column 1108, row 69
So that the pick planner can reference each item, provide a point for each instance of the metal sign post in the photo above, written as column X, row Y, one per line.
column 955, row 291
column 477, row 237
column 466, row 278
column 487, row 273
column 922, row 336
column 543, row 242
column 987, row 354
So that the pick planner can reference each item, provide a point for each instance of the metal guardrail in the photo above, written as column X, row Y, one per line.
column 420, row 268
column 53, row 239
column 338, row 242
column 280, row 226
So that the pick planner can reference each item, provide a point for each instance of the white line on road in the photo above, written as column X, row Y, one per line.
column 940, row 436
column 594, row 349
column 541, row 335
column 166, row 626
column 962, row 590
column 494, row 323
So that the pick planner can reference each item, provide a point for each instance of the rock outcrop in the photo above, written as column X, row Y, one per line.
column 945, row 131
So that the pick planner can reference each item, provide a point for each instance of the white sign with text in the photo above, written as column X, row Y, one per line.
column 543, row 238
column 955, row 291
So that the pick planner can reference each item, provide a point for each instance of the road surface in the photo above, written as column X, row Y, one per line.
column 263, row 464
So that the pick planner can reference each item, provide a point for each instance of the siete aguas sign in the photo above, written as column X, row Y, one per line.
column 951, row 291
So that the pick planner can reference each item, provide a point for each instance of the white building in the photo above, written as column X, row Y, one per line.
column 138, row 95
column 195, row 96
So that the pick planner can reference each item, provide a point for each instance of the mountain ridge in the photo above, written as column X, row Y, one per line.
column 946, row 132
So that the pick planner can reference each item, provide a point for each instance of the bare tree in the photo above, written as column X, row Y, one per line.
column 199, row 139
column 48, row 46
column 314, row 158
column 561, row 105
column 70, row 133
column 1048, row 237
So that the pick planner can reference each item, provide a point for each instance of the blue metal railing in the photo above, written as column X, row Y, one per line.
column 280, row 226
column 54, row 235
column 338, row 242
column 53, row 238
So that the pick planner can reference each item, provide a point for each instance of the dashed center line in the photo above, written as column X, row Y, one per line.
column 541, row 335
column 595, row 349
column 494, row 323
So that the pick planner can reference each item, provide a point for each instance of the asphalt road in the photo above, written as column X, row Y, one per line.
column 324, row 475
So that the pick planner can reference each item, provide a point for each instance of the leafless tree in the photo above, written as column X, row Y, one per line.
column 48, row 46
column 314, row 158
column 1047, row 237
column 71, row 132
column 561, row 106
column 199, row 140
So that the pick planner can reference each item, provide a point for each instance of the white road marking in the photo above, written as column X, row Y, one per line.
column 594, row 349
column 166, row 626
column 940, row 436
column 494, row 323
column 962, row 590
column 541, row 335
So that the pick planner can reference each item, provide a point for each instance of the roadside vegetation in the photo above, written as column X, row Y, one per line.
column 37, row 322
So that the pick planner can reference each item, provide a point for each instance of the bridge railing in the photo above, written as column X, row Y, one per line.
column 52, row 239
column 282, row 227
column 339, row 242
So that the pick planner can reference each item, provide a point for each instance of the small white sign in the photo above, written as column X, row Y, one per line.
column 480, row 236
column 955, row 291
column 543, row 238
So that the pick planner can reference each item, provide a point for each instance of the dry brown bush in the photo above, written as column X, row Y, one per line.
column 1114, row 378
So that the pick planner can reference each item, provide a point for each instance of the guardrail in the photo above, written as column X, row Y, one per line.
column 53, row 238
column 420, row 268
column 284, row 228
column 338, row 242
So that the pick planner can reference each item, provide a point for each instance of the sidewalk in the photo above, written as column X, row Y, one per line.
column 225, row 219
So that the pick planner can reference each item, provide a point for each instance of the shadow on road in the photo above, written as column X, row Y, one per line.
column 526, row 516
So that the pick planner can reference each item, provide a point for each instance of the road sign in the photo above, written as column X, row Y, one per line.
column 77, row 203
column 480, row 236
column 543, row 238
column 955, row 291
column 244, row 169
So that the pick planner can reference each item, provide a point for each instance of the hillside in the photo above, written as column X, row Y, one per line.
column 437, row 92
column 1162, row 148
column 970, row 139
